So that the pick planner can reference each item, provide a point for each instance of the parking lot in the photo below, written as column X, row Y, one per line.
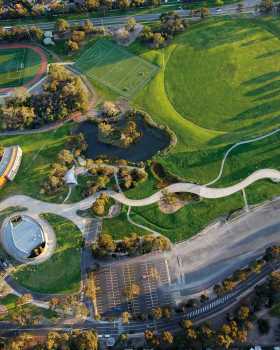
column 152, row 277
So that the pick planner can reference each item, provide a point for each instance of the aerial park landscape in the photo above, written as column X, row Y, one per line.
column 139, row 175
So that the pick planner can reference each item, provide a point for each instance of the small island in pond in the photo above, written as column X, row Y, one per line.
column 122, row 133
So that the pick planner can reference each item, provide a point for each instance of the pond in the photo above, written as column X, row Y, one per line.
column 151, row 141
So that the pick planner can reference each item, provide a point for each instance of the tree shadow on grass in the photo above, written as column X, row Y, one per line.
column 264, row 88
column 269, row 54
column 262, row 78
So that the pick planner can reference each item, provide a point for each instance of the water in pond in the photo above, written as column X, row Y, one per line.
column 151, row 141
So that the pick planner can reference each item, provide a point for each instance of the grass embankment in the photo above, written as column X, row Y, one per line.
column 39, row 153
column 62, row 272
column 218, row 84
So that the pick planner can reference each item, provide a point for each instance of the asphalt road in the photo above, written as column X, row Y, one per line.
column 208, row 309
column 249, row 6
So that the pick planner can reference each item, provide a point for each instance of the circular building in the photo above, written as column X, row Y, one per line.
column 26, row 239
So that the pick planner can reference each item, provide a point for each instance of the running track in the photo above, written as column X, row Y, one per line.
column 41, row 71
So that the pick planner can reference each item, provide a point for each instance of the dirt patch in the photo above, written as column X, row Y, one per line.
column 168, row 208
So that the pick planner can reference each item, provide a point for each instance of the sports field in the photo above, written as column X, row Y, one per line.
column 116, row 68
column 19, row 66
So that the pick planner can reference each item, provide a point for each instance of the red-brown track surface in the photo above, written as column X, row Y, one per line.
column 41, row 71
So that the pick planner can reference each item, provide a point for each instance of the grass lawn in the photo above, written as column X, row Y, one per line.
column 17, row 66
column 217, row 85
column 39, row 152
column 115, row 68
column 119, row 227
column 9, row 301
column 62, row 272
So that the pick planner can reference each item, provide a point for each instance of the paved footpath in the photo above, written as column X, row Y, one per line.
column 69, row 211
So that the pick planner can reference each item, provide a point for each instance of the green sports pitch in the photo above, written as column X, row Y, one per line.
column 17, row 66
column 116, row 68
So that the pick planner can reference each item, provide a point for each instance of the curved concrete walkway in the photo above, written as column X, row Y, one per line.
column 69, row 211
column 201, row 190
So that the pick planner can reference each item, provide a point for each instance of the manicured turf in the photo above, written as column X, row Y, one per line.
column 226, row 92
column 119, row 227
column 62, row 272
column 17, row 66
column 218, row 84
column 39, row 152
column 115, row 67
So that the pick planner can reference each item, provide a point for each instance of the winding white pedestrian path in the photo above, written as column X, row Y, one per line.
column 201, row 190
column 69, row 211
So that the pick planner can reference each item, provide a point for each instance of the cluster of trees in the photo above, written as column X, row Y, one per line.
column 272, row 254
column 239, row 276
column 99, row 207
column 75, row 146
column 129, row 177
column 120, row 135
column 55, row 181
column 110, row 110
column 122, row 34
column 131, row 245
column 74, row 36
column 170, row 24
column 63, row 95
column 204, row 336
column 78, row 339
column 22, row 314
column 22, row 9
column 69, row 304
column 102, row 175
column 18, row 33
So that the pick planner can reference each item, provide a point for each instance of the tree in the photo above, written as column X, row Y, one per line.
column 66, row 157
column 131, row 24
column 110, row 109
column 158, row 40
column 187, row 324
column 167, row 337
column 157, row 313
column 88, row 26
column 122, row 4
column 24, row 299
column 204, row 12
column 132, row 291
column 85, row 340
column 92, row 4
column 275, row 281
column 106, row 242
column 224, row 340
column 243, row 313
column 125, row 317
column 62, row 25
column 266, row 6
column 78, row 36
